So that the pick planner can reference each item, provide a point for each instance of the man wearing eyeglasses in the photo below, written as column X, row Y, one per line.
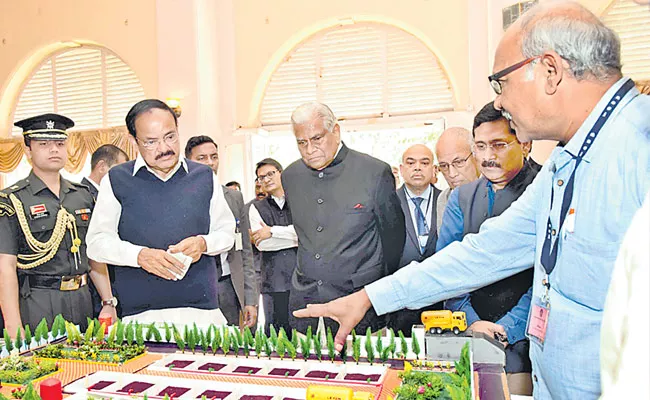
column 273, row 234
column 557, row 77
column 456, row 162
column 499, row 310
column 346, row 213
column 157, row 215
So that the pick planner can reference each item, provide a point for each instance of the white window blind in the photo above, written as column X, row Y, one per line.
column 90, row 85
column 361, row 70
column 632, row 23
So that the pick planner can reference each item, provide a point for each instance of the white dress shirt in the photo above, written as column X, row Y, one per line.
column 282, row 237
column 426, row 206
column 95, row 184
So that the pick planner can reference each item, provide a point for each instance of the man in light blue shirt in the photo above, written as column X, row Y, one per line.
column 558, row 78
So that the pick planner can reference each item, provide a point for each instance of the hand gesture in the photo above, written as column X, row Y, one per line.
column 263, row 233
column 160, row 263
column 192, row 246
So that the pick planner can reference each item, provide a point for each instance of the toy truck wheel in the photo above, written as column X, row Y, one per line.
column 438, row 331
column 456, row 330
column 432, row 330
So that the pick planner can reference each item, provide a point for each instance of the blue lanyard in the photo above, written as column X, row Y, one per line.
column 549, row 251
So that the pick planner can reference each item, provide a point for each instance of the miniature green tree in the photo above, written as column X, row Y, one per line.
column 186, row 333
column 379, row 346
column 216, row 341
column 168, row 333
column 99, row 333
column 234, row 341
column 384, row 355
column 225, row 342
column 370, row 350
column 8, row 343
column 119, row 335
column 41, row 331
column 331, row 351
column 392, row 345
column 404, row 347
column 305, row 348
column 208, row 333
column 28, row 336
column 291, row 349
column 295, row 341
column 191, row 340
column 273, row 336
column 318, row 346
column 156, row 332
column 60, row 324
column 203, row 342
column 196, row 331
column 111, row 336
column 139, row 334
column 130, row 333
column 356, row 348
column 179, row 340
column 69, row 333
column 281, row 348
column 415, row 346
column 18, row 341
column 266, row 344
column 55, row 327
column 258, row 342
column 90, row 332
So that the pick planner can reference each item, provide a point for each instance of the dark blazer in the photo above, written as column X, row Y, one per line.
column 91, row 187
column 412, row 246
column 242, row 272
column 350, row 229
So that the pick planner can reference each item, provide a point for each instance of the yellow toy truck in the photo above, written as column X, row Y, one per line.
column 442, row 320
column 322, row 392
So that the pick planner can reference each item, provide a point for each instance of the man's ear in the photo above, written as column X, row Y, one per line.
column 552, row 70
column 525, row 148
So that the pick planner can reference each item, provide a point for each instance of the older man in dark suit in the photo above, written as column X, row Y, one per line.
column 238, row 284
column 346, row 213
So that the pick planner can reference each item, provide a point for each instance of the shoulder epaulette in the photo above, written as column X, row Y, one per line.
column 21, row 184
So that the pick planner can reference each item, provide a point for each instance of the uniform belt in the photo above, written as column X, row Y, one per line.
column 63, row 283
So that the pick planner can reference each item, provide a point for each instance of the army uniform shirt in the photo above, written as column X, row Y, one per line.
column 40, row 207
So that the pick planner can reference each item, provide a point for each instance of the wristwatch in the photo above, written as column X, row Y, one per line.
column 110, row 302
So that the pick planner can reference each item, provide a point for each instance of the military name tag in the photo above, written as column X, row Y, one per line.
column 38, row 211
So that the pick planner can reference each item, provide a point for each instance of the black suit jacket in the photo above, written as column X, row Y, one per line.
column 412, row 246
column 91, row 187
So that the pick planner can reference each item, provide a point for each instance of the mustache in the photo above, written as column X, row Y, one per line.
column 165, row 154
column 490, row 164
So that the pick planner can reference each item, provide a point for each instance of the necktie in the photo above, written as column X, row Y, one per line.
column 421, row 221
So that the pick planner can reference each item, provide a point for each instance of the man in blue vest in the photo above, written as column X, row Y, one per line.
column 157, row 215
column 557, row 76
column 499, row 310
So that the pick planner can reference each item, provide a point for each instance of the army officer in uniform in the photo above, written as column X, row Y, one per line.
column 44, row 270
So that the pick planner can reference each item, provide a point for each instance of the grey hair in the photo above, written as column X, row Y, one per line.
column 576, row 34
column 307, row 112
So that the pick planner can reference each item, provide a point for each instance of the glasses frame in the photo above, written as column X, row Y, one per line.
column 154, row 143
column 495, row 79
column 491, row 146
column 269, row 175
column 462, row 163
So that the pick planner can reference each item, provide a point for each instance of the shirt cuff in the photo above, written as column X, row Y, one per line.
column 214, row 246
column 131, row 254
column 514, row 327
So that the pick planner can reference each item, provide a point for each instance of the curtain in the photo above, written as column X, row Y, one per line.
column 80, row 145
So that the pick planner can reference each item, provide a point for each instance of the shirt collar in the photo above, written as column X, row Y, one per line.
column 425, row 195
column 575, row 143
column 140, row 163
column 95, row 184
column 38, row 185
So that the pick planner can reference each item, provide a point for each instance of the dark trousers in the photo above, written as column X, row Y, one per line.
column 276, row 311
column 228, row 301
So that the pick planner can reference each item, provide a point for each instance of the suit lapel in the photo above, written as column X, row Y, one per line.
column 410, row 229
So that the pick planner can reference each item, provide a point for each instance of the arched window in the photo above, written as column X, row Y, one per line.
column 632, row 23
column 363, row 70
column 90, row 85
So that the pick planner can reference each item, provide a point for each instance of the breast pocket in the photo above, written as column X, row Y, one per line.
column 586, row 270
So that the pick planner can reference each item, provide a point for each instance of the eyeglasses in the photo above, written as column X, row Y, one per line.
column 495, row 146
column 458, row 164
column 495, row 80
column 315, row 141
column 270, row 174
column 151, row 144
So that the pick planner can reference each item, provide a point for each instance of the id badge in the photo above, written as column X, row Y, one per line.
column 538, row 321
column 238, row 242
